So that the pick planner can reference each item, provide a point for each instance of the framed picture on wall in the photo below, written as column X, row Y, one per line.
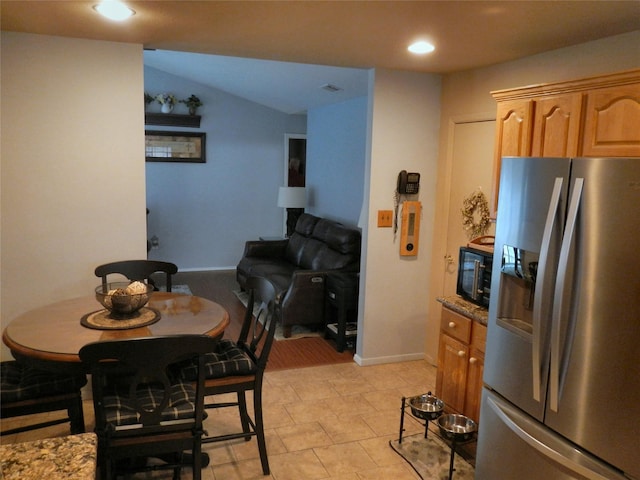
column 183, row 147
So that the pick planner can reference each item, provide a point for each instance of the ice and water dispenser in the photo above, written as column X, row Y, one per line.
column 517, row 287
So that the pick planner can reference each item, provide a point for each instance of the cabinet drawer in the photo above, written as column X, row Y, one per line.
column 455, row 325
column 478, row 336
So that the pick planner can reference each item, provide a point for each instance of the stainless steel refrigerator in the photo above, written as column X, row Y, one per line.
column 561, row 397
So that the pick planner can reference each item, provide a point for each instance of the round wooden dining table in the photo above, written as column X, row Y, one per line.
column 51, row 336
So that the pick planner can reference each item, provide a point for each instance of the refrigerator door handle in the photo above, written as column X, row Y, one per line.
column 539, row 295
column 559, row 294
column 558, row 452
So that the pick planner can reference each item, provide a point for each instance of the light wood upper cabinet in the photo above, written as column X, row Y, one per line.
column 556, row 126
column 513, row 135
column 592, row 117
column 612, row 122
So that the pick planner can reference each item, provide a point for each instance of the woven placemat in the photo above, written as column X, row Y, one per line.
column 102, row 319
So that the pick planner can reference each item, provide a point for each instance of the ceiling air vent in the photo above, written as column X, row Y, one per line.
column 331, row 88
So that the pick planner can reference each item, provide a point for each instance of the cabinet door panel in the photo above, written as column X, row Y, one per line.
column 612, row 122
column 452, row 372
column 556, row 126
column 474, row 385
column 513, row 135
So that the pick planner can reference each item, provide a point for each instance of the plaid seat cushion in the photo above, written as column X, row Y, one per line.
column 119, row 407
column 227, row 360
column 22, row 382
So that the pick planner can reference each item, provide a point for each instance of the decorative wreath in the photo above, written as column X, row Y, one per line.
column 474, row 207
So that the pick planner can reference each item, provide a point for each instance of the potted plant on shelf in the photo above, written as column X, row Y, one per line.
column 167, row 100
column 147, row 100
column 192, row 103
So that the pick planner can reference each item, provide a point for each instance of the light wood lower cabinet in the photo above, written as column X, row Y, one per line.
column 460, row 363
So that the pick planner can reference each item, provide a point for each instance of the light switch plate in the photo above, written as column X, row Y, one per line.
column 385, row 218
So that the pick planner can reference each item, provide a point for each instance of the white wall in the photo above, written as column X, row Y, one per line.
column 202, row 214
column 72, row 166
column 336, row 153
column 404, row 118
column 466, row 96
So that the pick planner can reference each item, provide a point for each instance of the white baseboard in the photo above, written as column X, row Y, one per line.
column 207, row 269
column 364, row 362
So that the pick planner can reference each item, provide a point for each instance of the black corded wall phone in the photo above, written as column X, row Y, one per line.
column 408, row 183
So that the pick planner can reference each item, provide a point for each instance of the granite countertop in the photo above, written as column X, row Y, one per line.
column 463, row 307
column 72, row 456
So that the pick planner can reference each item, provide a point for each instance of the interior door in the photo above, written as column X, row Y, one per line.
column 472, row 157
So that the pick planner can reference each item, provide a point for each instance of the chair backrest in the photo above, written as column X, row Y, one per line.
column 137, row 270
column 260, row 320
column 134, row 362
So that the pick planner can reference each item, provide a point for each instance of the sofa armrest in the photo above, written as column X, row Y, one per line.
column 308, row 278
column 303, row 302
column 313, row 278
column 265, row 248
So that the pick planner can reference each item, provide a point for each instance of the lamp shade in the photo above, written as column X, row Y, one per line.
column 292, row 197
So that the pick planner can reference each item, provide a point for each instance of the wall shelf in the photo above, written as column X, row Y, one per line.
column 172, row 120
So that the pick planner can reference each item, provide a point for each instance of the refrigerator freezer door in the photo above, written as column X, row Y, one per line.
column 512, row 445
column 531, row 208
column 597, row 379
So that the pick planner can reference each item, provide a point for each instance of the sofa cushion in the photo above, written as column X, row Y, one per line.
column 326, row 258
column 338, row 237
column 306, row 224
column 295, row 248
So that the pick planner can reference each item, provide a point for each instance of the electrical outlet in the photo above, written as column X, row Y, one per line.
column 385, row 218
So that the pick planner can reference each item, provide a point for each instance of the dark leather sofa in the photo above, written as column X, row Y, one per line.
column 297, row 266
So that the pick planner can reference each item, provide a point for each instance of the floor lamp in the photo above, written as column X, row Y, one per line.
column 294, row 199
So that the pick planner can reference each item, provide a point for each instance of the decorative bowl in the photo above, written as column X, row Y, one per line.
column 457, row 427
column 426, row 406
column 123, row 299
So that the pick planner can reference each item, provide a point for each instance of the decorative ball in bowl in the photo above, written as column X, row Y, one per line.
column 123, row 299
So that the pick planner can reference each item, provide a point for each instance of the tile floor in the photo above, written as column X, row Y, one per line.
column 328, row 422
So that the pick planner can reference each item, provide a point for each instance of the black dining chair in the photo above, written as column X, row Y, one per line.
column 138, row 270
column 26, row 390
column 142, row 410
column 238, row 366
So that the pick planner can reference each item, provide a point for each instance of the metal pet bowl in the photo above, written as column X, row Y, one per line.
column 457, row 428
column 426, row 406
column 123, row 299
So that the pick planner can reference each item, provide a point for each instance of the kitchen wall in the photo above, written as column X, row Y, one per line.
column 404, row 112
column 466, row 98
column 202, row 213
column 72, row 166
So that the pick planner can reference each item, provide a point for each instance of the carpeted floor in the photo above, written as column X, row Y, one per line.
column 430, row 457
column 297, row 331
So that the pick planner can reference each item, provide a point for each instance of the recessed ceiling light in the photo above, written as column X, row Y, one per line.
column 421, row 47
column 114, row 10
